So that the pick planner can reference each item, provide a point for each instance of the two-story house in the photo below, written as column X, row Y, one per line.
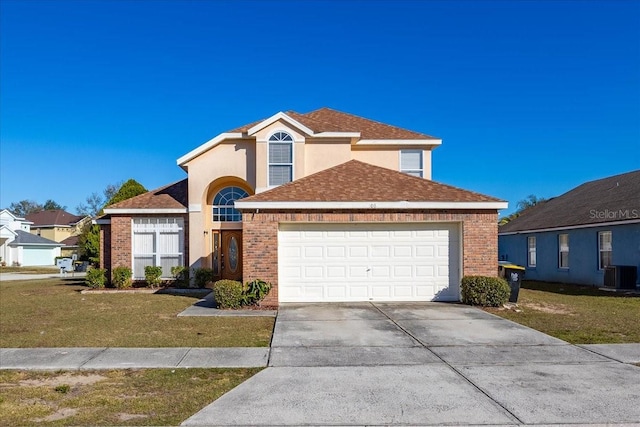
column 19, row 247
column 326, row 206
column 60, row 226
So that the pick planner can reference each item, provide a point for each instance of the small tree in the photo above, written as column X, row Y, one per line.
column 129, row 189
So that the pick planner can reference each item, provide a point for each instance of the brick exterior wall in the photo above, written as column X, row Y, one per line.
column 115, row 241
column 260, row 238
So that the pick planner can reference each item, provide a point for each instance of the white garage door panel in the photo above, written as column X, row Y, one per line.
column 368, row 262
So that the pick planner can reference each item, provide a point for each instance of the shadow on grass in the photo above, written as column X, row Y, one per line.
column 569, row 289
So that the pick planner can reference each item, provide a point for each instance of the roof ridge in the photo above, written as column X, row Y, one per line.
column 365, row 118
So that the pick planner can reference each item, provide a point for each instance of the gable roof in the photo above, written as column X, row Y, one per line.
column 172, row 198
column 24, row 238
column 56, row 217
column 607, row 200
column 358, row 185
column 329, row 120
column 325, row 123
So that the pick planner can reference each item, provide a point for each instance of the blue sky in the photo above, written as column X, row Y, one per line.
column 528, row 97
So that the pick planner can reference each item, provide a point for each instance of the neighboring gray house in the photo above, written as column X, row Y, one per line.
column 574, row 237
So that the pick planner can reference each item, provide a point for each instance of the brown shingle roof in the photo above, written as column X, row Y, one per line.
column 71, row 241
column 172, row 196
column 355, row 181
column 328, row 120
column 53, row 217
column 616, row 198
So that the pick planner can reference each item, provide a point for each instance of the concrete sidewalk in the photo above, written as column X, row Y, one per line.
column 132, row 358
column 5, row 277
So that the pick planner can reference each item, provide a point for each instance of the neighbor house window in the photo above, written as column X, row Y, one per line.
column 563, row 250
column 223, row 209
column 411, row 162
column 157, row 242
column 532, row 251
column 280, row 158
column 604, row 249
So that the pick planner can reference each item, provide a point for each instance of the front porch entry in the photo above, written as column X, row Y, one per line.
column 226, row 254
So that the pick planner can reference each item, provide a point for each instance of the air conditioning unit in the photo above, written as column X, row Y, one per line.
column 621, row 276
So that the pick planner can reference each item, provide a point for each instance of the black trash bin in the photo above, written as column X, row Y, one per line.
column 512, row 273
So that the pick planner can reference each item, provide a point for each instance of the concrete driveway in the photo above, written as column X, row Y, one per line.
column 423, row 364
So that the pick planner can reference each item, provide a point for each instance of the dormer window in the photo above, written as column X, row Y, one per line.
column 280, row 159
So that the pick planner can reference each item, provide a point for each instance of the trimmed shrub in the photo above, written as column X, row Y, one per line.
column 202, row 276
column 484, row 291
column 253, row 292
column 228, row 293
column 181, row 276
column 95, row 278
column 122, row 277
column 153, row 275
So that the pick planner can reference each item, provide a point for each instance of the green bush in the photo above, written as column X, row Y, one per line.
column 228, row 293
column 202, row 276
column 95, row 278
column 484, row 291
column 153, row 275
column 121, row 277
column 253, row 292
column 181, row 276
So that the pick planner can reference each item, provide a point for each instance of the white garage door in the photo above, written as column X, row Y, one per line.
column 38, row 256
column 368, row 262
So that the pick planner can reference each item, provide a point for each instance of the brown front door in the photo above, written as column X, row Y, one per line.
column 231, row 254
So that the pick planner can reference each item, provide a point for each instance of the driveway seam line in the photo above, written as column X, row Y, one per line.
column 183, row 356
column 449, row 365
column 273, row 334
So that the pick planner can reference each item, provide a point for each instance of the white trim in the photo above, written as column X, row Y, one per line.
column 145, row 211
column 279, row 116
column 370, row 205
column 571, row 227
column 14, row 244
column 101, row 221
column 6, row 227
column 208, row 145
column 407, row 142
column 336, row 135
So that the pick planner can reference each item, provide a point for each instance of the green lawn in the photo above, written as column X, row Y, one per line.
column 53, row 313
column 119, row 397
column 577, row 314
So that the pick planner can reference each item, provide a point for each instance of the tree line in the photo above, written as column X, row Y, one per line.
column 89, row 238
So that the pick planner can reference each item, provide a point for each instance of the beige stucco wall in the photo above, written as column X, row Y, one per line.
column 388, row 157
column 57, row 234
column 230, row 159
column 321, row 154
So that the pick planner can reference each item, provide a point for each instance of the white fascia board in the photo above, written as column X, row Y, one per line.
column 207, row 146
column 337, row 135
column 4, row 229
column 100, row 221
column 405, row 142
column 571, row 227
column 275, row 118
column 370, row 205
column 36, row 244
column 145, row 211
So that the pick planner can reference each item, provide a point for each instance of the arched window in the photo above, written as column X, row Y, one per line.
column 280, row 158
column 223, row 209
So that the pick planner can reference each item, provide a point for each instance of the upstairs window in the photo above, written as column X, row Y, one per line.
column 604, row 249
column 223, row 209
column 411, row 162
column 280, row 159
column 563, row 250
